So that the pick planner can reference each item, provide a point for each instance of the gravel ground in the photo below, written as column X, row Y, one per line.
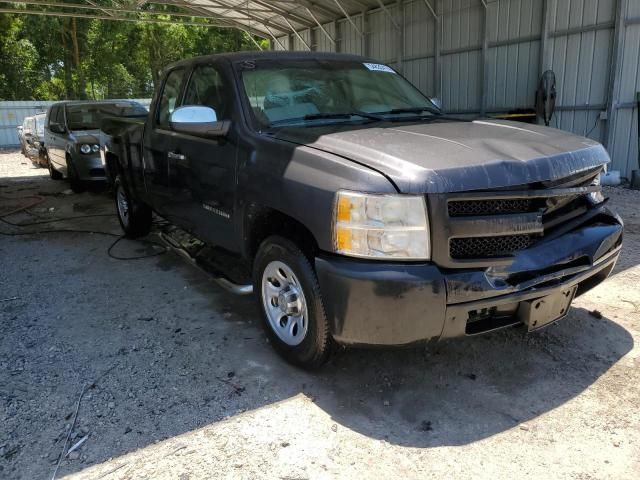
column 179, row 381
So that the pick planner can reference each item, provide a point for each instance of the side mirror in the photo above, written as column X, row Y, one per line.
column 57, row 128
column 437, row 102
column 198, row 121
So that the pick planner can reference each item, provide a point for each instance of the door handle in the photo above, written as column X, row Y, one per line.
column 179, row 159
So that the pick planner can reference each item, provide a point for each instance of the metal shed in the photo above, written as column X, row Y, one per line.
column 477, row 56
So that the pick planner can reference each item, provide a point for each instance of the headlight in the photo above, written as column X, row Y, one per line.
column 381, row 226
column 86, row 148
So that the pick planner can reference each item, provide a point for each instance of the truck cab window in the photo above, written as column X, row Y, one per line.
column 169, row 99
column 207, row 88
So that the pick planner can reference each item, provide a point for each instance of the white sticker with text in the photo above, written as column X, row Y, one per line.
column 377, row 67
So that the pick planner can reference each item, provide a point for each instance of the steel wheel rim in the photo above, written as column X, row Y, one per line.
column 284, row 303
column 123, row 206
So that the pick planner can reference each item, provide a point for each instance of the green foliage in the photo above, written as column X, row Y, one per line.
column 54, row 58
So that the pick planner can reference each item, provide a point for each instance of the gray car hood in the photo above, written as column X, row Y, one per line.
column 445, row 156
column 86, row 136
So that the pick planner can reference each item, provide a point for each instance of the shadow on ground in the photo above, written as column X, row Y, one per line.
column 181, row 354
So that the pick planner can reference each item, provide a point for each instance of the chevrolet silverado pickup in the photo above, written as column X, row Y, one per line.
column 354, row 209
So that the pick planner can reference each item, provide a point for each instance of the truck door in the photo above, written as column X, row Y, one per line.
column 202, row 172
column 158, row 141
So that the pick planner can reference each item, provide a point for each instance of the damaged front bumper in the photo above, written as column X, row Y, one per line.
column 373, row 303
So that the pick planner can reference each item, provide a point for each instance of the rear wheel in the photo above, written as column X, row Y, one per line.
column 288, row 294
column 134, row 216
column 74, row 180
column 53, row 173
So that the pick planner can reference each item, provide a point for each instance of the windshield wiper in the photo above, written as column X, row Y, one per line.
column 320, row 116
column 410, row 110
column 330, row 116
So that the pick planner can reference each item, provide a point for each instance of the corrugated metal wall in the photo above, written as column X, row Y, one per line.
column 13, row 114
column 474, row 73
column 623, row 143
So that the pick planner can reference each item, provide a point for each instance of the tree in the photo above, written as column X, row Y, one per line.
column 53, row 58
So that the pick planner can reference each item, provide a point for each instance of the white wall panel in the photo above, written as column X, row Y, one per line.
column 624, row 139
column 349, row 39
column 383, row 36
column 420, row 73
column 323, row 44
column 298, row 44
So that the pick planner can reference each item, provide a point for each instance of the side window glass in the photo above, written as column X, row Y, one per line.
column 169, row 98
column 52, row 116
column 59, row 118
column 207, row 88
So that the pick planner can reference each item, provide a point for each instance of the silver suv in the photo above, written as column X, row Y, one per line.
column 72, row 138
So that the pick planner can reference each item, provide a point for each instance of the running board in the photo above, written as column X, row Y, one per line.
column 224, row 282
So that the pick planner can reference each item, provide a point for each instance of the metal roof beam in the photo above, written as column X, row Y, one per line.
column 262, row 21
column 388, row 13
column 295, row 32
column 275, row 38
column 348, row 17
column 324, row 9
column 331, row 39
column 285, row 14
column 110, row 10
column 20, row 11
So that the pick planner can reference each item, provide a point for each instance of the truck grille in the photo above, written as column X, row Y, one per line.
column 468, row 208
column 491, row 226
column 488, row 247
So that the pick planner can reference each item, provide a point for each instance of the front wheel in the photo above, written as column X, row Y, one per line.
column 134, row 216
column 288, row 294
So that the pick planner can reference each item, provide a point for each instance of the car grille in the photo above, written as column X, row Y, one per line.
column 489, row 247
column 468, row 208
column 96, row 172
column 493, row 225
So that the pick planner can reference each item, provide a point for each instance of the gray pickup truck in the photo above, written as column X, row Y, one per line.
column 355, row 210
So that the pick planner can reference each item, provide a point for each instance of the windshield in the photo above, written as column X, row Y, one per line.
column 88, row 116
column 286, row 92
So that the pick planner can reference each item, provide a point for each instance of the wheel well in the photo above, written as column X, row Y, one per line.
column 265, row 222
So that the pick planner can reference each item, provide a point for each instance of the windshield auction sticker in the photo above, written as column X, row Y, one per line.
column 377, row 67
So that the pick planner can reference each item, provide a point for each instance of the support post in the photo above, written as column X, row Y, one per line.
column 544, row 37
column 616, row 74
column 484, row 90
column 400, row 36
column 365, row 32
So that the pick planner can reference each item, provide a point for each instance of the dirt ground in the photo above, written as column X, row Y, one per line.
column 180, row 382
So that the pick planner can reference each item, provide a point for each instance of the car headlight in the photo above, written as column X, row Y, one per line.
column 381, row 226
column 86, row 148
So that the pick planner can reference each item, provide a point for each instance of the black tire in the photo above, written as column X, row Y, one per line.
column 136, row 222
column 315, row 348
column 75, row 183
column 53, row 173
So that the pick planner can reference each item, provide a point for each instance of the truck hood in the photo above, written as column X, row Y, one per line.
column 445, row 156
